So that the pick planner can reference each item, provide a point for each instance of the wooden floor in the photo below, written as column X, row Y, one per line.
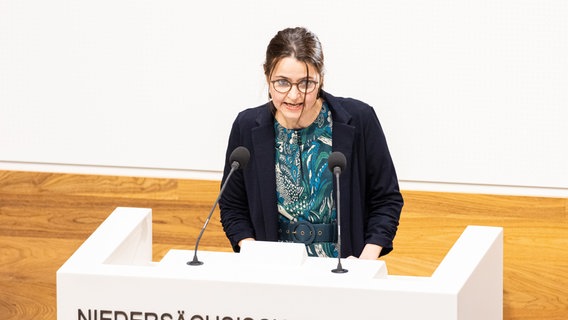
column 44, row 218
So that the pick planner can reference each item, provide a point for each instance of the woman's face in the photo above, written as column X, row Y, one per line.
column 295, row 109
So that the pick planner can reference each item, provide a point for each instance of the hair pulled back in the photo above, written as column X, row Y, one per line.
column 298, row 43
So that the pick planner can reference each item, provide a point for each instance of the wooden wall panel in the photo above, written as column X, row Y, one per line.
column 44, row 218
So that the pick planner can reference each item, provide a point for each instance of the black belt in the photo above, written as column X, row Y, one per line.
column 307, row 232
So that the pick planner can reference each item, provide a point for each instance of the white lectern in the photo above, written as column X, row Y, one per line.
column 111, row 277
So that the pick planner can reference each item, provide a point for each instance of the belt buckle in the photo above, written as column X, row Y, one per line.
column 303, row 231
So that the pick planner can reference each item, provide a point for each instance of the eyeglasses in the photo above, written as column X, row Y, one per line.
column 284, row 86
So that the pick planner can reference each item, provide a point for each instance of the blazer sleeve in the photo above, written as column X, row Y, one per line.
column 233, row 204
column 383, row 198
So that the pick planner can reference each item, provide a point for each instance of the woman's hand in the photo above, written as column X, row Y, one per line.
column 245, row 239
column 371, row 252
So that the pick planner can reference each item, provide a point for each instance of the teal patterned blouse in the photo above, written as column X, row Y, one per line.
column 304, row 184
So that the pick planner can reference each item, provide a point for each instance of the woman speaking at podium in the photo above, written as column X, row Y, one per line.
column 286, row 193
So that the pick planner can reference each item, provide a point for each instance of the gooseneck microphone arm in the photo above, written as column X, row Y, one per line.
column 336, row 164
column 238, row 159
column 195, row 261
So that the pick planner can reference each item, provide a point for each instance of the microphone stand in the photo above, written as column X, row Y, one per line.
column 195, row 262
column 339, row 268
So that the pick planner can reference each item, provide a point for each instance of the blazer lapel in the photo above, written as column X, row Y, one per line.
column 343, row 135
column 263, row 140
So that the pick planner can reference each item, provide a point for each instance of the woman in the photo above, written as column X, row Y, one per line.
column 286, row 193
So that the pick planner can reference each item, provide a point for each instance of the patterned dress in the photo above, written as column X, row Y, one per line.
column 304, row 184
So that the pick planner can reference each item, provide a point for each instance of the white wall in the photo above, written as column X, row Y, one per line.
column 472, row 94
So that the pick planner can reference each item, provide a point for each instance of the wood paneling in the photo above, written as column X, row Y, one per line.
column 535, row 245
column 44, row 218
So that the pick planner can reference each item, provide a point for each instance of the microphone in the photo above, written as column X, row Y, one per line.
column 238, row 159
column 336, row 163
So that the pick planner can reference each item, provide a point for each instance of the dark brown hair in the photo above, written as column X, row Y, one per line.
column 298, row 43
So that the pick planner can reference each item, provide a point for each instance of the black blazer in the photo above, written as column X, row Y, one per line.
column 370, row 198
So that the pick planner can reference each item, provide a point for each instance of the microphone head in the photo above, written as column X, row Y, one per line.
column 336, row 160
column 241, row 156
